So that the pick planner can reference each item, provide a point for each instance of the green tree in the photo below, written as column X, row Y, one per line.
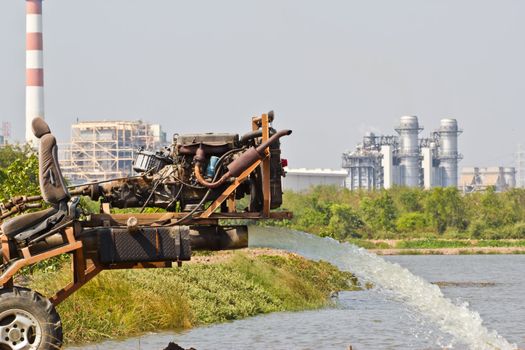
column 18, row 171
column 344, row 222
column 497, row 211
column 313, row 220
column 11, row 153
column 410, row 199
column 380, row 213
column 445, row 208
column 411, row 222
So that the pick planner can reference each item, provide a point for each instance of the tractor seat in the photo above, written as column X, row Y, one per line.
column 24, row 222
column 52, row 187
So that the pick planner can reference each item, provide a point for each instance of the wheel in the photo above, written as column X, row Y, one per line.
column 28, row 321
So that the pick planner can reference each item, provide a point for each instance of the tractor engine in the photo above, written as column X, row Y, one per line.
column 196, row 169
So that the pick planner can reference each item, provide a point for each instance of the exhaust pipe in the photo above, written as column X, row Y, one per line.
column 240, row 164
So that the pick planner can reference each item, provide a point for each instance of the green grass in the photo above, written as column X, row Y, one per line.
column 500, row 243
column 431, row 244
column 412, row 246
column 419, row 252
column 443, row 243
column 369, row 244
column 120, row 304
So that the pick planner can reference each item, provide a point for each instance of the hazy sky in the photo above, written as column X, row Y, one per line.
column 331, row 70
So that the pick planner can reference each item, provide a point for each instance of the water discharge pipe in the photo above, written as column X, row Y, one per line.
column 240, row 164
column 200, row 238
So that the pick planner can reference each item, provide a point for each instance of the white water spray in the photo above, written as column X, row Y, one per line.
column 464, row 325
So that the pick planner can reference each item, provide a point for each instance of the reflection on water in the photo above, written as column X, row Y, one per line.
column 406, row 313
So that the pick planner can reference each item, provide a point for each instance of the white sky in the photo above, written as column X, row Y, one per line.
column 330, row 69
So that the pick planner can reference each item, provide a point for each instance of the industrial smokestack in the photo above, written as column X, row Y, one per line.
column 34, row 66
column 409, row 150
column 448, row 151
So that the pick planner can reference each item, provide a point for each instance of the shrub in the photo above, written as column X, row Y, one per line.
column 518, row 231
column 477, row 229
column 344, row 222
column 410, row 222
column 380, row 213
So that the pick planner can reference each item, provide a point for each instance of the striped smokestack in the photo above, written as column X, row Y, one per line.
column 34, row 66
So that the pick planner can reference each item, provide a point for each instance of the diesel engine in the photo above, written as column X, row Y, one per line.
column 196, row 169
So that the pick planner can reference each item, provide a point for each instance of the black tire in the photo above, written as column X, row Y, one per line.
column 28, row 317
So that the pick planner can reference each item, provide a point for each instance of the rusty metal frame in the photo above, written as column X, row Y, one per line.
column 84, row 269
column 263, row 123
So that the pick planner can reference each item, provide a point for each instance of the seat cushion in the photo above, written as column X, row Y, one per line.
column 23, row 222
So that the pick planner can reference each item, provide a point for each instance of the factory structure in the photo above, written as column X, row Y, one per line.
column 103, row 150
column 298, row 180
column 405, row 159
column 478, row 179
column 5, row 133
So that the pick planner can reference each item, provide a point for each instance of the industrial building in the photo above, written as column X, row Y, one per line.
column 299, row 180
column 476, row 179
column 102, row 150
column 405, row 159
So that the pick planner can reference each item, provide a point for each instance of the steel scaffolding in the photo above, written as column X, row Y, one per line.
column 102, row 150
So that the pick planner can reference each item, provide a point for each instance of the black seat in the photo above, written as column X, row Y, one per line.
column 52, row 187
column 23, row 222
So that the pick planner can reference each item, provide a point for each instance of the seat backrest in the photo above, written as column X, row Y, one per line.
column 52, row 184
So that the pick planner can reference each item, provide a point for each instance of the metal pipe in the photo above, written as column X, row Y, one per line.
column 201, row 238
column 238, row 165
column 218, row 237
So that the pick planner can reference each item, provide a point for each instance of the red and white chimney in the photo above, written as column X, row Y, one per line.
column 34, row 66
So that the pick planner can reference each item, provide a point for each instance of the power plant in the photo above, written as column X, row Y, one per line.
column 34, row 67
column 405, row 159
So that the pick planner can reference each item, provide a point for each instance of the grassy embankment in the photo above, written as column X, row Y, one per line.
column 124, row 303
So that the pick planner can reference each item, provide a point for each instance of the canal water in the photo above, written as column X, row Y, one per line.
column 479, row 305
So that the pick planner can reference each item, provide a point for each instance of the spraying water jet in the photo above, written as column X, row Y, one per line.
column 464, row 325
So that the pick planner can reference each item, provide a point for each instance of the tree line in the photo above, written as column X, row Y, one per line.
column 403, row 212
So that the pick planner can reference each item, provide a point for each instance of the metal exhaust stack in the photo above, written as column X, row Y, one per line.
column 34, row 66
column 448, row 153
column 408, row 130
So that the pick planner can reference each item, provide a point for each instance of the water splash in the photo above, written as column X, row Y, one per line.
column 464, row 325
